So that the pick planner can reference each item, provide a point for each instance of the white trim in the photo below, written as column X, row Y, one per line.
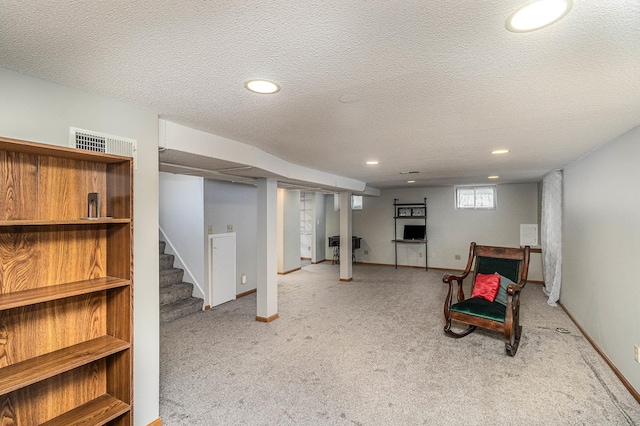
column 192, row 280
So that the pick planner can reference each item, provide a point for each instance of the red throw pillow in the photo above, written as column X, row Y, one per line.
column 486, row 287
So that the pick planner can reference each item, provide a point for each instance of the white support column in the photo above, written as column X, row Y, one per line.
column 267, row 248
column 346, row 267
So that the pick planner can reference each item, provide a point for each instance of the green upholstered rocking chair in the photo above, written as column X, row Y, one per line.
column 502, row 314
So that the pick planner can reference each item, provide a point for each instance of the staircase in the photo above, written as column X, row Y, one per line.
column 175, row 296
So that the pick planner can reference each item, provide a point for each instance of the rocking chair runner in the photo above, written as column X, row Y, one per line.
column 510, row 263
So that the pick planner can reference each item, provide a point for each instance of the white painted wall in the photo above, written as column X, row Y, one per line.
column 288, row 230
column 601, row 248
column 181, row 201
column 40, row 111
column 177, row 137
column 306, row 224
column 319, row 228
column 332, row 223
column 449, row 231
column 235, row 204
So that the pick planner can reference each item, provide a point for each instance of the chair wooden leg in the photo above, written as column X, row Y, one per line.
column 511, row 345
column 451, row 333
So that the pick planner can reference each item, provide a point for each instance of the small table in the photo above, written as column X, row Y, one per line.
column 335, row 243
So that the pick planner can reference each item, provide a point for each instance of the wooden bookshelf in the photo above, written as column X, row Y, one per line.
column 66, row 296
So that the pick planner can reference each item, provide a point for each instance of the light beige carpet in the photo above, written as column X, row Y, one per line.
column 372, row 352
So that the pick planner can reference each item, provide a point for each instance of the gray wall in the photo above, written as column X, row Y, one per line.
column 181, row 204
column 319, row 228
column 235, row 204
column 449, row 231
column 601, row 248
column 289, row 230
column 332, row 220
column 40, row 111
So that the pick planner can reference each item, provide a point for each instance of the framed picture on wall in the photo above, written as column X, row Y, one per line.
column 404, row 211
column 417, row 211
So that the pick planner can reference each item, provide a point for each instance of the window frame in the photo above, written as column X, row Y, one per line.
column 475, row 198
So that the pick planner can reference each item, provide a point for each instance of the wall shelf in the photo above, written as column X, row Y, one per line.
column 33, row 370
column 98, row 411
column 408, row 212
column 82, row 222
column 60, row 291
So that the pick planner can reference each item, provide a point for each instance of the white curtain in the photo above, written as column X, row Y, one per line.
column 551, row 235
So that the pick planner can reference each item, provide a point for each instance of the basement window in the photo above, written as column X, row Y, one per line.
column 475, row 197
column 356, row 202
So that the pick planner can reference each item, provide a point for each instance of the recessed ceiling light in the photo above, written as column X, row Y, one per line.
column 411, row 181
column 262, row 86
column 372, row 163
column 493, row 177
column 500, row 151
column 537, row 14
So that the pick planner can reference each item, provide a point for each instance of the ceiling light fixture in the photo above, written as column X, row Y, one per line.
column 263, row 87
column 411, row 181
column 500, row 151
column 537, row 14
column 372, row 163
column 493, row 177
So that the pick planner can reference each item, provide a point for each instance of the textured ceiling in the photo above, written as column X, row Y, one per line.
column 431, row 86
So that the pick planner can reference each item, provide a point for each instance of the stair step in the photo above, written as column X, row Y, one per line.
column 162, row 247
column 171, row 276
column 173, row 292
column 166, row 261
column 180, row 308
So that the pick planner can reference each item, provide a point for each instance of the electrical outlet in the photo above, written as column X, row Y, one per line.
column 210, row 229
column 229, row 228
column 420, row 254
column 636, row 353
column 457, row 257
column 366, row 252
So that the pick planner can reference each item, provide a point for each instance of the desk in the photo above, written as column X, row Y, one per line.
column 335, row 243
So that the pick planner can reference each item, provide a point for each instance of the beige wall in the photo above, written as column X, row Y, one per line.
column 601, row 248
column 40, row 111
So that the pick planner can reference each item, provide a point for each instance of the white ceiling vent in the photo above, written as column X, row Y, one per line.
column 100, row 142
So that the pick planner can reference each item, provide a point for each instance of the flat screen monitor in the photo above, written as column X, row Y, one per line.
column 414, row 232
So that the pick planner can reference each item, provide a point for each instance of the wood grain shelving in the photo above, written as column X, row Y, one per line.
column 36, row 369
column 98, row 411
column 83, row 222
column 60, row 291
column 66, row 287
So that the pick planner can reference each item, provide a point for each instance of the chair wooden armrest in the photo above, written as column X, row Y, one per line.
column 509, row 263
column 449, row 278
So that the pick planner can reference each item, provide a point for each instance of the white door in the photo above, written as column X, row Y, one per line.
column 222, row 268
